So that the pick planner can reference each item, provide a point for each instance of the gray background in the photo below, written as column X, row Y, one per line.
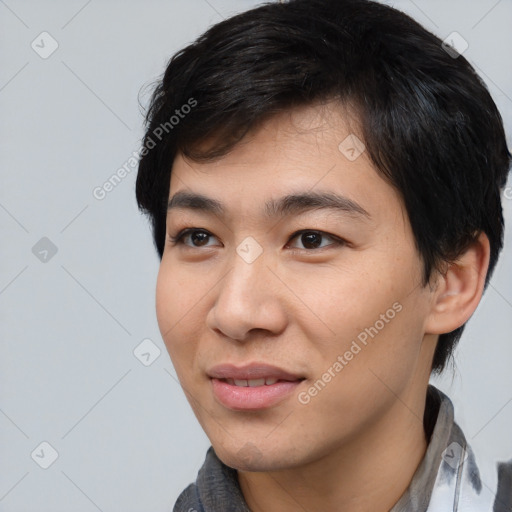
column 124, row 433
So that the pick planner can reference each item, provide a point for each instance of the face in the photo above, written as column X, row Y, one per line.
column 289, row 295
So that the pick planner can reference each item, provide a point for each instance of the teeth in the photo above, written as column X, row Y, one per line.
column 256, row 382
column 252, row 383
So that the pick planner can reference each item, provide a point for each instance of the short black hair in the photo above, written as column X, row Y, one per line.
column 427, row 120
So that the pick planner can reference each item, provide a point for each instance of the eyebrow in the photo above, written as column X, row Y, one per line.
column 275, row 208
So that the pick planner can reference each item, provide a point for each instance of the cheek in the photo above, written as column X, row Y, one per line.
column 370, row 310
column 181, row 300
column 172, row 305
column 175, row 290
column 340, row 302
column 165, row 299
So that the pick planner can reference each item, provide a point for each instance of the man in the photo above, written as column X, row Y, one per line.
column 324, row 179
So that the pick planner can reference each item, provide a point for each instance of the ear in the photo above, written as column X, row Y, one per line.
column 459, row 288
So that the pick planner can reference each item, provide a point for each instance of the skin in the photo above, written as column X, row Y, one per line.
column 356, row 445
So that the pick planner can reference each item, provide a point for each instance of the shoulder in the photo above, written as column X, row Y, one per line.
column 503, row 501
column 188, row 500
column 459, row 482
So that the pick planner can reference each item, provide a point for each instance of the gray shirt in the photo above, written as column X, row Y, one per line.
column 447, row 479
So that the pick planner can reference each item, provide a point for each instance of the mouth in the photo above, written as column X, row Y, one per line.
column 252, row 387
column 253, row 383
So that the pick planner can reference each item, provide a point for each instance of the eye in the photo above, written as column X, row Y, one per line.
column 192, row 237
column 310, row 239
column 313, row 239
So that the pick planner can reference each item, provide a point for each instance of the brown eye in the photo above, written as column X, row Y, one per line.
column 314, row 239
column 192, row 237
column 199, row 238
column 311, row 240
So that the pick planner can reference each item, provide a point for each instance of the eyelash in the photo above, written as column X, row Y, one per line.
column 178, row 239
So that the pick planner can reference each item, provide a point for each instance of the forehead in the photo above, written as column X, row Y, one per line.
column 304, row 151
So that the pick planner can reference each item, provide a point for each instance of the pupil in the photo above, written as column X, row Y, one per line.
column 311, row 240
column 200, row 237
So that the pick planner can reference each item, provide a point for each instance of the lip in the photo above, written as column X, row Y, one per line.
column 241, row 398
column 251, row 371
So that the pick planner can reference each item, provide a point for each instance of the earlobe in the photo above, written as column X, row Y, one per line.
column 459, row 288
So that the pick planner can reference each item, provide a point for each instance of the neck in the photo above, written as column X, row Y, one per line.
column 368, row 473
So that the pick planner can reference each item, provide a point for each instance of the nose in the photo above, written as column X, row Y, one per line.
column 249, row 300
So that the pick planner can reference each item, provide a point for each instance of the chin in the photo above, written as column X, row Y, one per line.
column 251, row 456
